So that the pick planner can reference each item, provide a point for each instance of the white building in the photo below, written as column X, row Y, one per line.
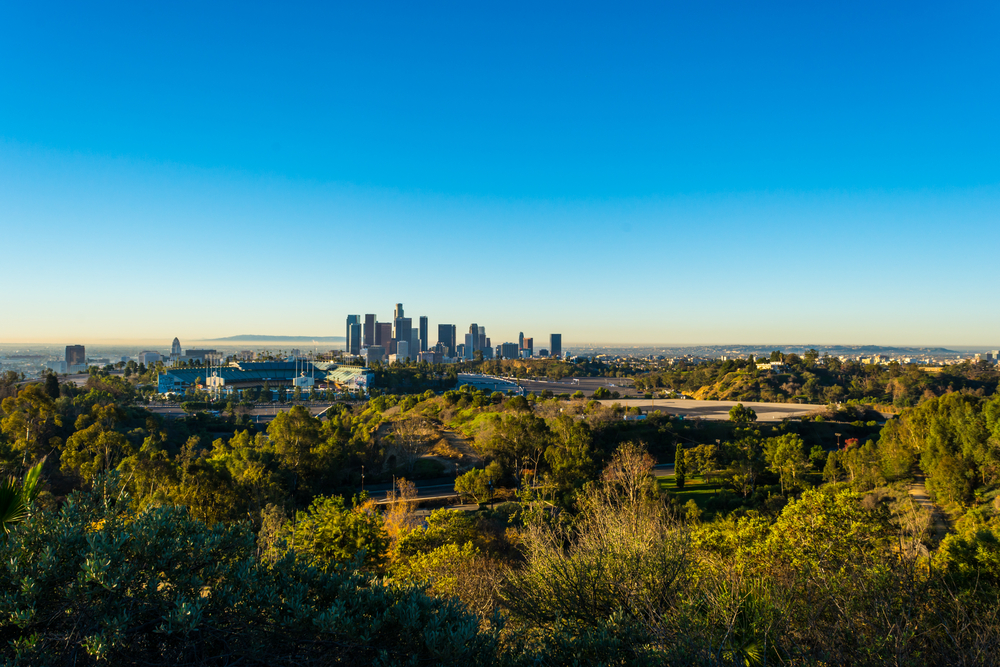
column 148, row 358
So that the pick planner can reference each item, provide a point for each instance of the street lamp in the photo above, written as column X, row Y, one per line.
column 838, row 440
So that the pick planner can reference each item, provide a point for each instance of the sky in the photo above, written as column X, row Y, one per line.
column 675, row 173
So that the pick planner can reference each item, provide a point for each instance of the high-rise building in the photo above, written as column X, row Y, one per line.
column 374, row 353
column 401, row 328
column 509, row 350
column 354, row 338
column 423, row 333
column 398, row 313
column 529, row 345
column 415, row 344
column 447, row 335
column 402, row 350
column 555, row 345
column 470, row 346
column 474, row 341
column 520, row 341
column 175, row 348
column 351, row 319
column 460, row 350
column 76, row 355
column 369, row 332
column 383, row 336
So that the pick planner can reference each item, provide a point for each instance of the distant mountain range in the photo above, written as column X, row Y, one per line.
column 254, row 338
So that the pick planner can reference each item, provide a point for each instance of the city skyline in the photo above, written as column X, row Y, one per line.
column 641, row 175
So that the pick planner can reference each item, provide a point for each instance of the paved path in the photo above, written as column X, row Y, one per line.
column 717, row 410
column 918, row 491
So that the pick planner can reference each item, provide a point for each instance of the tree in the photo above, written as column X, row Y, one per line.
column 741, row 415
column 479, row 484
column 329, row 533
column 52, row 385
column 786, row 456
column 519, row 440
column 680, row 466
column 96, row 446
column 296, row 434
column 101, row 582
column 409, row 437
column 16, row 499
column 29, row 418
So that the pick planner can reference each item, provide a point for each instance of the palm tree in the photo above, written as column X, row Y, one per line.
column 16, row 499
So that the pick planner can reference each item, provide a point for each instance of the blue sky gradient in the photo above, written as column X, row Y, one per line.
column 677, row 174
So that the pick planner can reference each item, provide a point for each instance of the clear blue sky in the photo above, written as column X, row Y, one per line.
column 686, row 173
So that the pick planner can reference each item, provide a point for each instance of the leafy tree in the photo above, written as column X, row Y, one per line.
column 741, row 415
column 29, row 419
column 480, row 484
column 102, row 582
column 52, row 385
column 329, row 534
column 786, row 456
column 296, row 435
column 520, row 440
column 680, row 466
column 97, row 446
column 16, row 499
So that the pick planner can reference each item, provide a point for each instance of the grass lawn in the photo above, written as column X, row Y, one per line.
column 695, row 488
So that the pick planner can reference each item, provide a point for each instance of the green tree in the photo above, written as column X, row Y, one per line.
column 29, row 419
column 786, row 456
column 519, row 440
column 480, row 485
column 16, row 498
column 741, row 415
column 52, row 385
column 680, row 466
column 329, row 533
column 296, row 435
column 101, row 582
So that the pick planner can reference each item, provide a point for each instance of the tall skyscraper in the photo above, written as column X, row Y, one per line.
column 509, row 350
column 474, row 341
column 402, row 350
column 555, row 345
column 529, row 345
column 175, row 348
column 446, row 335
column 351, row 319
column 369, row 332
column 354, row 338
column 520, row 341
column 76, row 355
column 415, row 344
column 383, row 336
column 401, row 329
column 398, row 313
column 423, row 333
column 470, row 348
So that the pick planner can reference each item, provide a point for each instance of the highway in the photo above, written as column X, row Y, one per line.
column 437, row 489
column 718, row 410
column 260, row 413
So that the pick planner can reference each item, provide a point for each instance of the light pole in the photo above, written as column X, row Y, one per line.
column 362, row 479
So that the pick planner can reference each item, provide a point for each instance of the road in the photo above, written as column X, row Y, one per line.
column 262, row 414
column 717, row 410
column 438, row 489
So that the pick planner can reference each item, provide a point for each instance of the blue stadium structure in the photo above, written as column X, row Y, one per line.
column 247, row 375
